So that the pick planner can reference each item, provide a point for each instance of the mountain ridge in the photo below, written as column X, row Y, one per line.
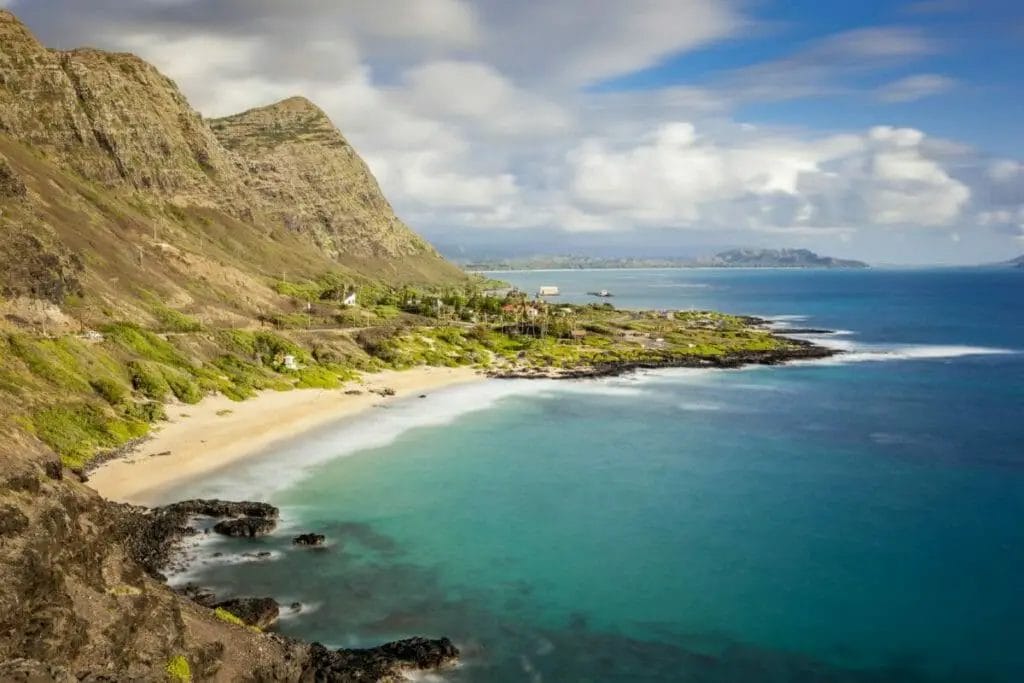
column 734, row 258
column 114, row 159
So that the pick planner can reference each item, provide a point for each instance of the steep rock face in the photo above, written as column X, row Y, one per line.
column 155, row 140
column 116, row 121
column 311, row 179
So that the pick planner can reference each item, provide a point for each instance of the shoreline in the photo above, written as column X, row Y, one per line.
column 216, row 432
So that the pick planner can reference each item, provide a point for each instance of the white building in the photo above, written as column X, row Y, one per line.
column 350, row 299
column 547, row 290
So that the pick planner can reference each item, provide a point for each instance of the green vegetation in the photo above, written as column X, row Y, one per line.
column 175, row 321
column 227, row 616
column 77, row 431
column 110, row 391
column 88, row 395
column 178, row 669
column 230, row 618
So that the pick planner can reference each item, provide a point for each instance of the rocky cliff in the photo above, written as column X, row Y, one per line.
column 101, row 143
column 311, row 179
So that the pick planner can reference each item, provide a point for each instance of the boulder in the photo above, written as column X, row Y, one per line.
column 245, row 527
column 259, row 612
column 309, row 539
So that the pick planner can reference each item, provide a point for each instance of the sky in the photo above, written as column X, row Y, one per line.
column 887, row 130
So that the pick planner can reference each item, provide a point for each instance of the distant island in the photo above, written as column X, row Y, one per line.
column 733, row 258
column 1017, row 262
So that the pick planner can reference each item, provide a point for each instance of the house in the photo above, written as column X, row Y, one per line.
column 350, row 299
column 290, row 363
column 547, row 290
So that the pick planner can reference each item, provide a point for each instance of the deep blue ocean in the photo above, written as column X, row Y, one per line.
column 857, row 519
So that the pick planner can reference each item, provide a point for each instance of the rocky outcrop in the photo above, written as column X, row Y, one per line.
column 387, row 662
column 245, row 527
column 800, row 350
column 262, row 613
column 310, row 540
column 152, row 536
column 222, row 508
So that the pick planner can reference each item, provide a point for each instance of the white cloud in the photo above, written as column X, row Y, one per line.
column 582, row 41
column 477, row 115
column 916, row 87
column 479, row 94
column 883, row 178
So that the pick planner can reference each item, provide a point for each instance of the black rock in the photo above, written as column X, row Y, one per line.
column 309, row 539
column 259, row 612
column 54, row 470
column 245, row 527
column 385, row 662
column 203, row 596
column 224, row 508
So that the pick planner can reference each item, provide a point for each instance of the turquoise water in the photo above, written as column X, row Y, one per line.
column 851, row 520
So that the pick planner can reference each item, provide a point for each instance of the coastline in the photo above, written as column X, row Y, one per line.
column 216, row 432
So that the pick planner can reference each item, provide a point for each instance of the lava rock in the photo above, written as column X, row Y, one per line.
column 224, row 508
column 309, row 539
column 203, row 596
column 245, row 527
column 259, row 612
column 385, row 662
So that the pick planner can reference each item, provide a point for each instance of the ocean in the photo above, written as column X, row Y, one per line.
column 854, row 519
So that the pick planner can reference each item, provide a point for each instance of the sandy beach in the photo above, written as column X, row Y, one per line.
column 201, row 438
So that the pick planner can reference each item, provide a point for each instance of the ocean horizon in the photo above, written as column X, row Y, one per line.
column 852, row 519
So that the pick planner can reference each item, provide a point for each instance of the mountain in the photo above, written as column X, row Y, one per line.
column 142, row 250
column 114, row 189
column 776, row 258
column 736, row 258
column 1017, row 262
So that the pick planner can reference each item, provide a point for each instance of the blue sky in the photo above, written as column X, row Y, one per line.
column 891, row 131
column 979, row 45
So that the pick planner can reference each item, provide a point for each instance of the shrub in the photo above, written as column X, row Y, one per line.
column 48, row 360
column 148, row 380
column 227, row 616
column 147, row 411
column 176, row 321
column 178, row 669
column 143, row 343
column 77, row 431
column 183, row 386
column 111, row 391
column 317, row 377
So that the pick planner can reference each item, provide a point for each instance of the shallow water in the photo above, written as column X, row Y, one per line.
column 854, row 520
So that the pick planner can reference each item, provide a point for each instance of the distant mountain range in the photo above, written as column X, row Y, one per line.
column 733, row 258
column 1017, row 262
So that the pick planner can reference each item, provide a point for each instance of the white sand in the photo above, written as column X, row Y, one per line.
column 218, row 431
